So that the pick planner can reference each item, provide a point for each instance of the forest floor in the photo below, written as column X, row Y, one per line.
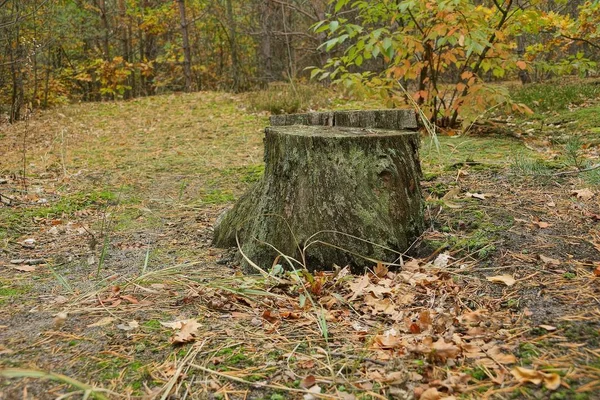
column 109, row 286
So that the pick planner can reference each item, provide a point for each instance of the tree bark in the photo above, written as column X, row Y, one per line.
column 187, row 54
column 343, row 195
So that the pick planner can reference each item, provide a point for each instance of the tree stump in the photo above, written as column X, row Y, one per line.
column 343, row 188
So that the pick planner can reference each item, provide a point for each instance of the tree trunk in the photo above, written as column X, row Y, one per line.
column 187, row 55
column 235, row 62
column 344, row 194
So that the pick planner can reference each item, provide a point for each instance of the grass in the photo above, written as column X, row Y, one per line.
column 555, row 95
column 163, row 168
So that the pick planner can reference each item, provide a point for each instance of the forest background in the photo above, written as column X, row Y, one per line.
column 447, row 53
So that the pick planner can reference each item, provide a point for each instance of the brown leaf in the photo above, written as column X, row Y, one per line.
column 445, row 350
column 583, row 194
column 597, row 271
column 541, row 224
column 387, row 342
column 188, row 332
column 24, row 268
column 102, row 322
column 524, row 375
column 501, row 358
column 270, row 316
column 308, row 382
column 431, row 394
column 381, row 270
column 130, row 299
column 548, row 260
column 358, row 286
column 505, row 279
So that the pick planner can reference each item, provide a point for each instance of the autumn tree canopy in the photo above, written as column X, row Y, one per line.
column 447, row 53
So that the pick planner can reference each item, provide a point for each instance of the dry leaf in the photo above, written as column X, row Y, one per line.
column 501, row 358
column 431, row 394
column 479, row 196
column 102, row 322
column 445, row 350
column 549, row 328
column 583, row 194
column 308, row 382
column 548, row 260
column 452, row 193
column 358, row 287
column 387, row 342
column 381, row 270
column 441, row 261
column 523, row 375
column 187, row 333
column 131, row 325
column 24, row 268
column 541, row 224
column 130, row 299
column 313, row 390
column 506, row 279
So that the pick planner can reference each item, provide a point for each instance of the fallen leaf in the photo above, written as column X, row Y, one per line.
column 549, row 328
column 130, row 299
column 445, row 350
column 431, row 394
column 313, row 390
column 380, row 270
column 441, row 261
column 501, row 358
column 524, row 375
column 59, row 319
column 541, row 224
column 308, row 382
column 548, row 260
column 131, row 325
column 479, row 196
column 270, row 316
column 387, row 342
column 583, row 194
column 358, row 287
column 188, row 332
column 506, row 279
column 102, row 322
column 24, row 268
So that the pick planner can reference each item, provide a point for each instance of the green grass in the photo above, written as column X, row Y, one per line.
column 554, row 96
column 455, row 151
column 8, row 293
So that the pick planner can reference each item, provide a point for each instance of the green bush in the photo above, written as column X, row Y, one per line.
column 289, row 98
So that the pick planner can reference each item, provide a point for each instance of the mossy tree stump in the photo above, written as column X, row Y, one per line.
column 337, row 177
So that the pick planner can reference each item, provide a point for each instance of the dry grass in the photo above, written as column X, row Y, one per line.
column 143, row 182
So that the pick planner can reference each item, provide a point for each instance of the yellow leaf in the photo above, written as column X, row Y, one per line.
column 506, row 279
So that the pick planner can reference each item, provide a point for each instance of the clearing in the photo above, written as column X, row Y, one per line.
column 106, row 245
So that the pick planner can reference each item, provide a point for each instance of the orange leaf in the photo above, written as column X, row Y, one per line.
column 521, row 64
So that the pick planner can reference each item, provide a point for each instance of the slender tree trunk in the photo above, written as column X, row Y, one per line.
column 187, row 54
column 235, row 63
column 106, row 28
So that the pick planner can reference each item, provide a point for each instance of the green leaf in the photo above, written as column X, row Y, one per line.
column 333, row 25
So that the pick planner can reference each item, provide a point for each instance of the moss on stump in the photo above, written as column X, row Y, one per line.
column 321, row 181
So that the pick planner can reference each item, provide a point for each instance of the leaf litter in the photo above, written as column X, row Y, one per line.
column 449, row 325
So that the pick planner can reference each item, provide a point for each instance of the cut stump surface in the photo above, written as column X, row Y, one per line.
column 329, row 195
